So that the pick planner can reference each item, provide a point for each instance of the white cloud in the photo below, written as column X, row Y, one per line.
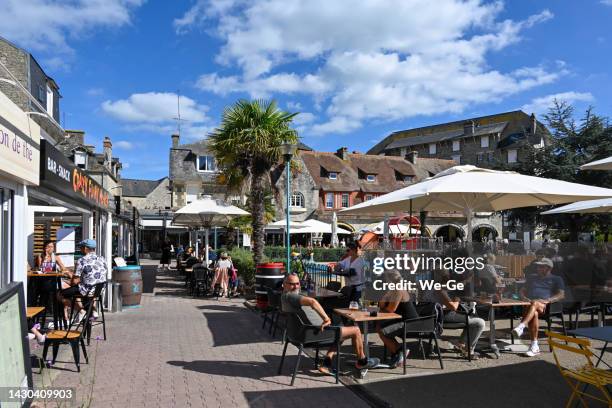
column 154, row 107
column 156, row 112
column 542, row 104
column 606, row 2
column 304, row 118
column 124, row 144
column 95, row 91
column 45, row 25
column 367, row 60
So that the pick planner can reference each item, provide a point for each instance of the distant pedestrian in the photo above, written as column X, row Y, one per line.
column 166, row 255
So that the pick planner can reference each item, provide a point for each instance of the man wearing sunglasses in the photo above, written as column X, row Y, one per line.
column 292, row 301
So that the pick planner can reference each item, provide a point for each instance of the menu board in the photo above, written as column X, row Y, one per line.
column 15, row 370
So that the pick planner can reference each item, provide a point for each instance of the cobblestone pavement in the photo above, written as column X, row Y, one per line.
column 176, row 351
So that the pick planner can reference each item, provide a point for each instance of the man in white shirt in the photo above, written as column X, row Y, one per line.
column 352, row 267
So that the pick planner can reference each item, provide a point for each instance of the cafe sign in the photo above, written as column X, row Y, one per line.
column 57, row 173
column 19, row 143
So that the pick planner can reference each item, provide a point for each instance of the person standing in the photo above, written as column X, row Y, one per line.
column 166, row 255
column 353, row 268
column 222, row 269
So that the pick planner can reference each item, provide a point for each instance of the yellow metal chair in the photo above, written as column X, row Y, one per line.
column 587, row 374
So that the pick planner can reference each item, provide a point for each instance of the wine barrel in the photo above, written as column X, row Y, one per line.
column 267, row 276
column 130, row 278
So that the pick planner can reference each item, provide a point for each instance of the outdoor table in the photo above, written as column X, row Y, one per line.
column 360, row 316
column 503, row 302
column 596, row 333
column 322, row 293
column 32, row 311
column 58, row 308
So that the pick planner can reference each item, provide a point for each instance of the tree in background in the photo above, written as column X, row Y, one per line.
column 570, row 144
column 247, row 146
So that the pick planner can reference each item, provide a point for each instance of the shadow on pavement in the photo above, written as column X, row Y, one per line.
column 534, row 383
column 257, row 370
column 233, row 326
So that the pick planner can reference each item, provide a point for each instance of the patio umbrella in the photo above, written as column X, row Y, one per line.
column 603, row 164
column 584, row 207
column 316, row 226
column 402, row 229
column 334, row 227
column 207, row 213
column 471, row 189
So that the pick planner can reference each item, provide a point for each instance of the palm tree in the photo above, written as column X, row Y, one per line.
column 247, row 147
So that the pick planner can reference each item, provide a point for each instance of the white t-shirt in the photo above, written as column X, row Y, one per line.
column 359, row 265
column 224, row 264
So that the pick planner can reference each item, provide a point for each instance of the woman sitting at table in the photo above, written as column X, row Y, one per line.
column 48, row 261
column 395, row 301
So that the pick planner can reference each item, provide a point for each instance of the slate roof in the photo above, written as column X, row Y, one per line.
column 448, row 135
column 389, row 171
column 139, row 188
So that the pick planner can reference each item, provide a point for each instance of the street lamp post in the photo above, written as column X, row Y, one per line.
column 288, row 150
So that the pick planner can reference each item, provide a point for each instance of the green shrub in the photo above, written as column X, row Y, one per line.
column 243, row 261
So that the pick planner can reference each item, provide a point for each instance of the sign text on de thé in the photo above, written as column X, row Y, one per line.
column 17, row 144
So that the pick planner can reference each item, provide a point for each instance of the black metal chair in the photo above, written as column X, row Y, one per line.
column 75, row 332
column 274, row 310
column 199, row 281
column 422, row 327
column 100, row 320
column 333, row 285
column 303, row 335
column 464, row 325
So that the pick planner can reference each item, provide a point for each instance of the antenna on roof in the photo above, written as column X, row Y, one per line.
column 178, row 112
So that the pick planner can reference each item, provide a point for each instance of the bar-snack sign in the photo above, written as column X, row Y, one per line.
column 59, row 174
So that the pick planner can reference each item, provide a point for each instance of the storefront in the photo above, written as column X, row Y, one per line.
column 66, row 207
column 19, row 164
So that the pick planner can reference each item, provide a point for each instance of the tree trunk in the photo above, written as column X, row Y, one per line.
column 258, row 216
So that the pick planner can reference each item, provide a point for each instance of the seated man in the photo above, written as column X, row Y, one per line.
column 311, row 311
column 489, row 279
column 540, row 289
column 90, row 270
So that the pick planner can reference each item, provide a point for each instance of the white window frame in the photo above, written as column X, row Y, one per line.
column 484, row 141
column 456, row 145
column 373, row 178
column 328, row 201
column 335, row 175
column 512, row 156
column 433, row 148
column 207, row 170
column 297, row 200
column 83, row 155
column 348, row 200
column 408, row 179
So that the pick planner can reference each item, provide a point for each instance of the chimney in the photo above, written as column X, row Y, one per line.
column 175, row 140
column 75, row 137
column 468, row 127
column 534, row 124
column 342, row 153
column 412, row 156
column 108, row 152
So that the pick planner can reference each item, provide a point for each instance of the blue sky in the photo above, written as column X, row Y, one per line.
column 355, row 70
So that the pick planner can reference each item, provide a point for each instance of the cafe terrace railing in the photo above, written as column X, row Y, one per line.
column 319, row 272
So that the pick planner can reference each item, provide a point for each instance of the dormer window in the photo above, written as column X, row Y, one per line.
column 80, row 159
column 371, row 178
column 408, row 179
column 333, row 175
column 206, row 164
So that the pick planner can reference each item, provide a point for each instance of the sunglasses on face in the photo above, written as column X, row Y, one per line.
column 293, row 283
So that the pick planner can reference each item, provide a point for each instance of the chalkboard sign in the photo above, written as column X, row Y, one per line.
column 15, row 369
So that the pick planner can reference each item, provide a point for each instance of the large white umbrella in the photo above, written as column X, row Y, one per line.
column 584, row 207
column 282, row 224
column 207, row 213
column 603, row 164
column 471, row 189
column 395, row 229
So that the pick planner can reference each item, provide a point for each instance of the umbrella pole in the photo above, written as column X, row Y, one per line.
column 410, row 221
column 206, row 246
column 197, row 247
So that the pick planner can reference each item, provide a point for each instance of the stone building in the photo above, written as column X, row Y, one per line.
column 44, row 91
column 482, row 141
column 326, row 182
column 193, row 173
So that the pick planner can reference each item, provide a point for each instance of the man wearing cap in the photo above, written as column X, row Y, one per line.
column 90, row 270
column 541, row 288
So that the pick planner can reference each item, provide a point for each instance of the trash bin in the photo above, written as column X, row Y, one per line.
column 117, row 305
